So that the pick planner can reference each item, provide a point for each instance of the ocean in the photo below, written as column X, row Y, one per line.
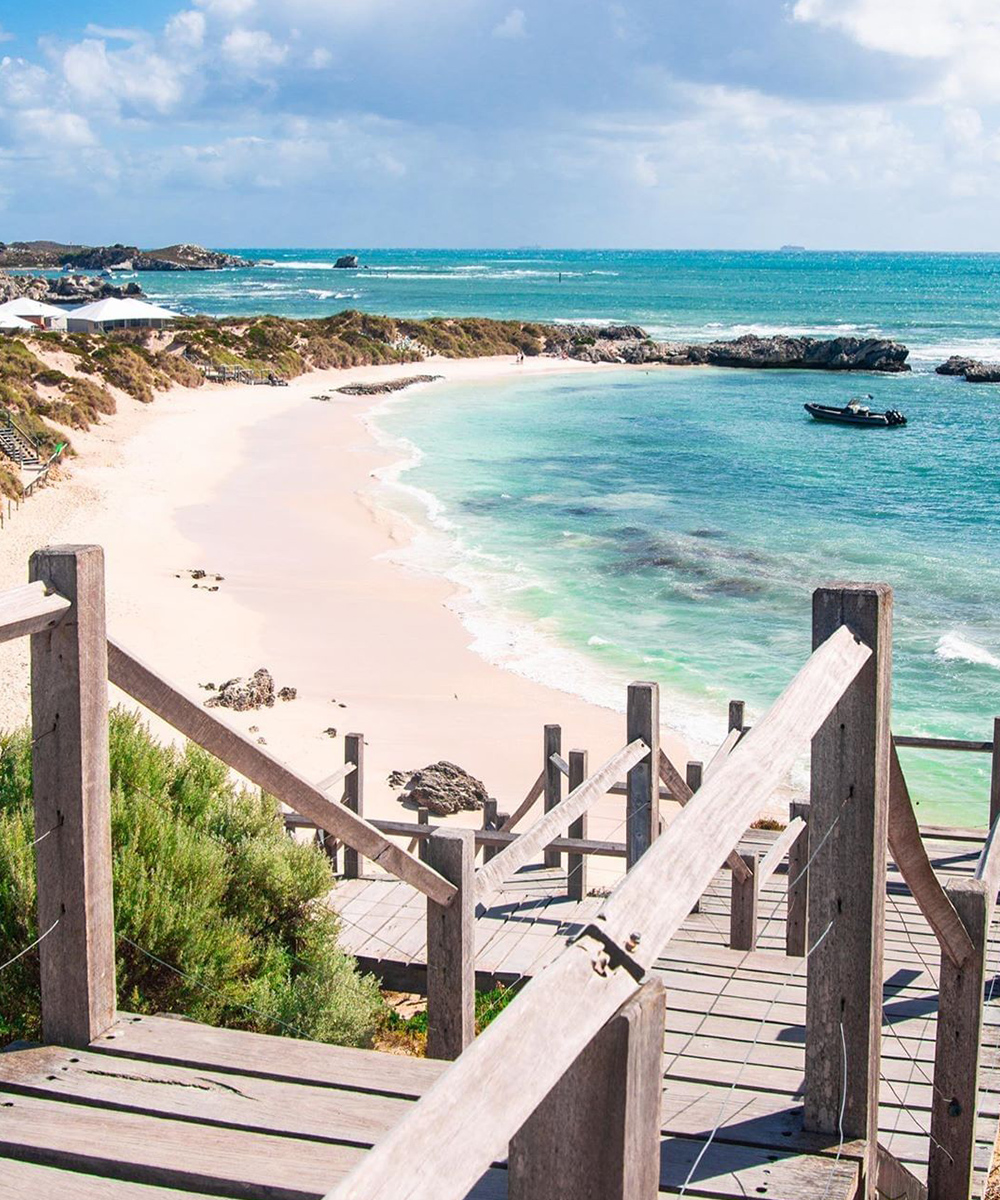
column 671, row 523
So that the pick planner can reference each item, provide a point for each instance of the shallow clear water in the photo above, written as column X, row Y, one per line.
column 672, row 524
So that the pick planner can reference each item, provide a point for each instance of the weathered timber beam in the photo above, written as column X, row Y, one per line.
column 554, row 823
column 189, row 717
column 526, row 804
column 32, row 608
column 678, row 787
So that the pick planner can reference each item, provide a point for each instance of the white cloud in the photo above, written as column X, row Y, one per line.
column 186, row 30
column 5, row 36
column 137, row 77
column 644, row 171
column 227, row 9
column 23, row 84
column 514, row 25
column 319, row 58
column 59, row 129
column 250, row 50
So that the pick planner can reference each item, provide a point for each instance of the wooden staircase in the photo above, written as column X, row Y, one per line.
column 17, row 444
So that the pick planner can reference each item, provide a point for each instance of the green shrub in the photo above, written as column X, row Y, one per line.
column 207, row 881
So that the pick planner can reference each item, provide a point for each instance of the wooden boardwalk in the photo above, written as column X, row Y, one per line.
column 735, row 1029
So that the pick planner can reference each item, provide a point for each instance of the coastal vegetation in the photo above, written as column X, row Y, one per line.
column 219, row 914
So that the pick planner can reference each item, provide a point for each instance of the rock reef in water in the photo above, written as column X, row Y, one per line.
column 443, row 788
column 630, row 344
column 972, row 369
column 347, row 261
column 389, row 385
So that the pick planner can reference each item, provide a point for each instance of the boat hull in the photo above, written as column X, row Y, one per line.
column 837, row 416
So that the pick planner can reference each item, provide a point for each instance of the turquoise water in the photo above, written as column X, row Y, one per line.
column 673, row 523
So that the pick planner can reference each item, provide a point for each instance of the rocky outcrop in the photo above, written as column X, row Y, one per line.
column 444, row 788
column 630, row 344
column 65, row 289
column 390, row 385
column 185, row 256
column 243, row 695
column 347, row 261
column 972, row 369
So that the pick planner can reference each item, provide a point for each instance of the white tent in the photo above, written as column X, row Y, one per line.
column 35, row 311
column 118, row 314
column 9, row 322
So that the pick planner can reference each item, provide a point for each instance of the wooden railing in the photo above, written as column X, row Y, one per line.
column 570, row 1071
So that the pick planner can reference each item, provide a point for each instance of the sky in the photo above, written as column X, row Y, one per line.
column 866, row 124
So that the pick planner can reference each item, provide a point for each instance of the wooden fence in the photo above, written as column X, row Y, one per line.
column 566, row 1081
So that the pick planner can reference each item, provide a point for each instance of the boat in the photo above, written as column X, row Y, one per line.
column 856, row 412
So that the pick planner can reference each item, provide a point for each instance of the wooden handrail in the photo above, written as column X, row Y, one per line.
column 778, row 849
column 904, row 742
column 988, row 866
column 678, row 787
column 30, row 609
column 529, row 801
column 341, row 773
column 725, row 749
column 190, row 717
column 558, row 761
column 910, row 855
column 489, row 1093
column 554, row 823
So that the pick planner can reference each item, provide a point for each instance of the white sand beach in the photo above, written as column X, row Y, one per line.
column 274, row 491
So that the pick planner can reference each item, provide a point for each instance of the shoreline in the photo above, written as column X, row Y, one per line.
column 278, row 493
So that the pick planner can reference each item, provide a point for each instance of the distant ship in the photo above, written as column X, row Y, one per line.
column 790, row 249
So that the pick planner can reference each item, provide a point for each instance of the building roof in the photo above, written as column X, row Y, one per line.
column 10, row 321
column 128, row 309
column 24, row 306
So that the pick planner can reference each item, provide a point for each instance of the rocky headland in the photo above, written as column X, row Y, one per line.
column 65, row 289
column 631, row 344
column 184, row 256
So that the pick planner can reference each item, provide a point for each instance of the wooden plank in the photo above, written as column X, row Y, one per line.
column 596, row 1135
column 957, row 1051
column 642, row 804
column 576, row 864
column 529, row 801
column 32, row 1181
column 490, row 876
column 988, row 863
column 723, row 752
column 72, row 800
column 451, row 967
column 910, row 856
column 894, row 1179
column 265, row 1056
column 488, row 1093
column 743, row 907
column 682, row 793
column 797, row 911
column 779, row 848
column 32, row 608
column 850, row 797
column 189, row 716
column 731, row 1170
column 331, row 781
column 354, row 798
column 552, row 744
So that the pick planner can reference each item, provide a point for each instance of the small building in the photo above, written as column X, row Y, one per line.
column 113, row 313
column 36, row 312
column 12, row 324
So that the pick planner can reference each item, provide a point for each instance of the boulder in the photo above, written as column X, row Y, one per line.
column 243, row 695
column 980, row 372
column 444, row 788
column 347, row 261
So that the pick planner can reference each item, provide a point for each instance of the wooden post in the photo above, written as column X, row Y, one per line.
column 423, row 818
column 451, row 964
column 797, row 915
column 642, row 811
column 743, row 907
column 849, row 802
column 596, row 1135
column 737, row 714
column 70, row 774
column 354, row 796
column 489, row 822
column 552, row 744
column 956, row 1051
column 576, row 864
column 693, row 773
column 995, row 773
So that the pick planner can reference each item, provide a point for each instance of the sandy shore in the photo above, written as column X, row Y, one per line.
column 273, row 490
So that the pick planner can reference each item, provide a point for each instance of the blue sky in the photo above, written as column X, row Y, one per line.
column 834, row 123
